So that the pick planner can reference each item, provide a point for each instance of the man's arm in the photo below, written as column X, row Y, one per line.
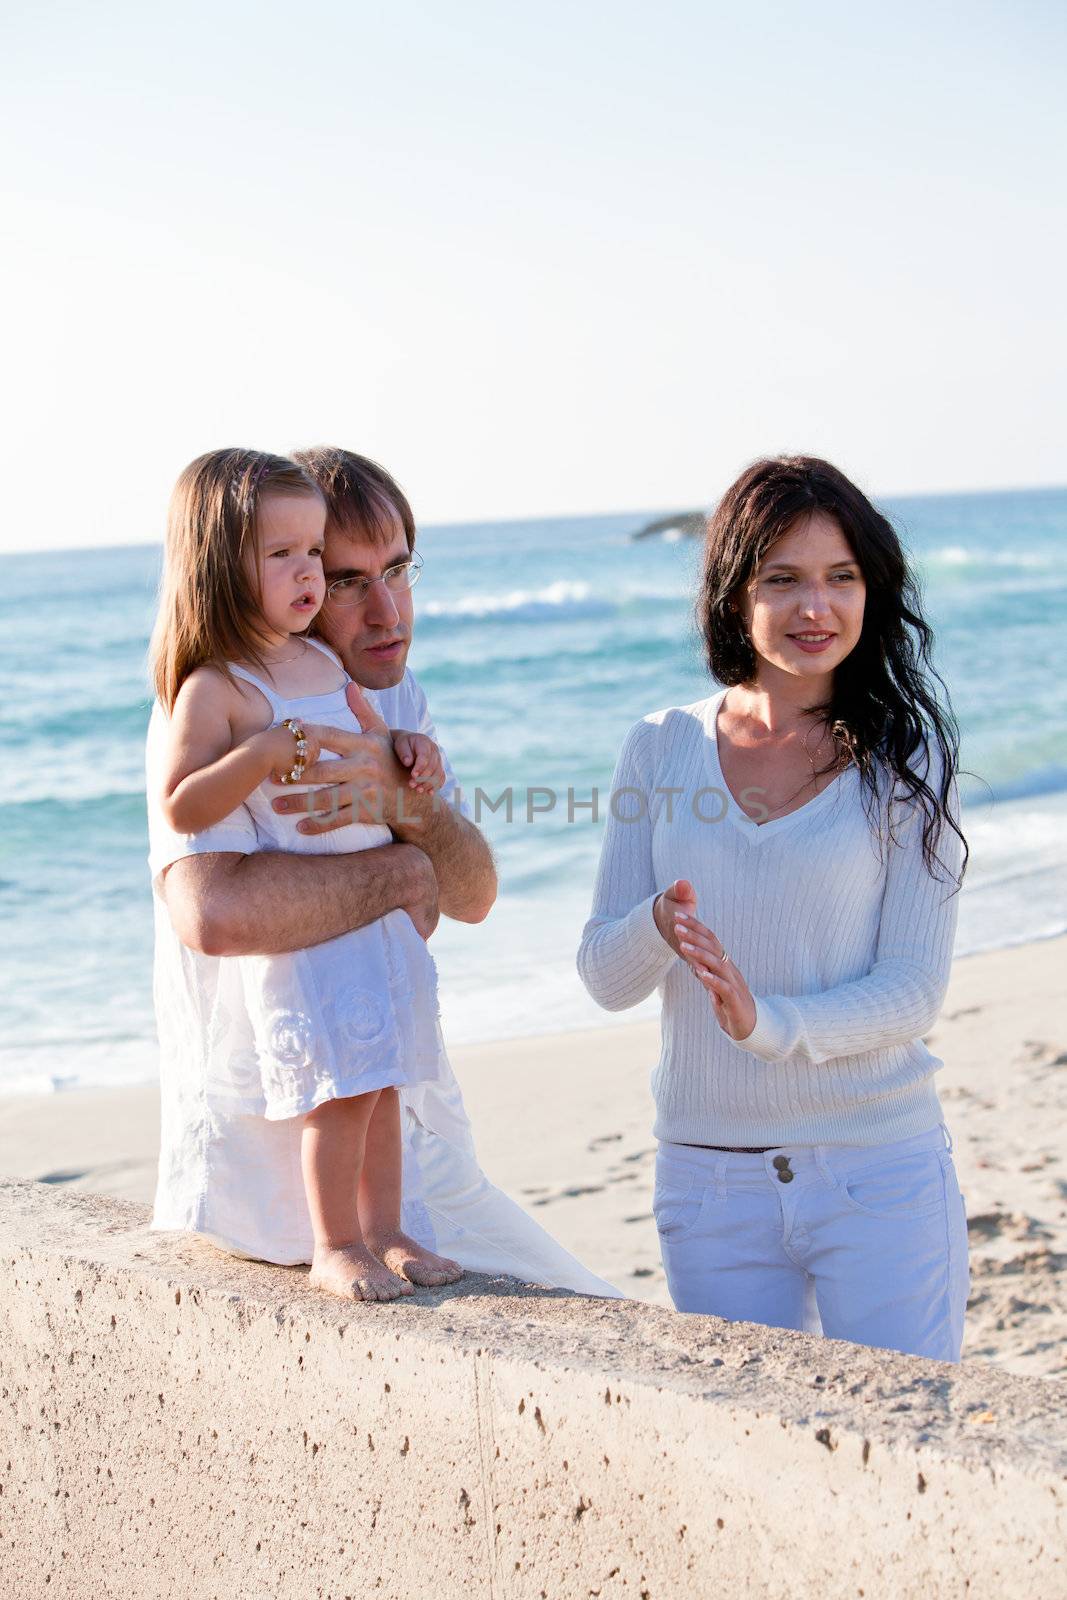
column 460, row 853
column 225, row 904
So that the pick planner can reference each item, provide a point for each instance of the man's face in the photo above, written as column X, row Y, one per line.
column 373, row 637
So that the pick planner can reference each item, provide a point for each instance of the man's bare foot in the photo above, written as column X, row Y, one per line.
column 355, row 1273
column 401, row 1253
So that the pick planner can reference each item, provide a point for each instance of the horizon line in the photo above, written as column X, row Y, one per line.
column 575, row 516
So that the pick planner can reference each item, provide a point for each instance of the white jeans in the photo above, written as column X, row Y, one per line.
column 866, row 1243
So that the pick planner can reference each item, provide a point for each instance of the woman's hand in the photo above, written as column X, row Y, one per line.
column 679, row 900
column 702, row 950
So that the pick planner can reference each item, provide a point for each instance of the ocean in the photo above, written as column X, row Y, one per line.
column 539, row 644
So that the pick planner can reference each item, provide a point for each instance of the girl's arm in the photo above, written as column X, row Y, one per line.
column 623, row 956
column 206, row 776
column 900, row 998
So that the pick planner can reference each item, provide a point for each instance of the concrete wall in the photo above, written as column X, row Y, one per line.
column 174, row 1421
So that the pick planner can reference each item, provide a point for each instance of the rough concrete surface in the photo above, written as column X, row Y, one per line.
column 176, row 1421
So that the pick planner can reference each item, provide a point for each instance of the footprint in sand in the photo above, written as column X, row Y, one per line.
column 616, row 1174
column 575, row 1192
column 1037, row 1052
column 1042, row 1262
column 1014, row 1225
column 74, row 1174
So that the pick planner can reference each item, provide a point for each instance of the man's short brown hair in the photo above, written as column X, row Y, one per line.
column 362, row 500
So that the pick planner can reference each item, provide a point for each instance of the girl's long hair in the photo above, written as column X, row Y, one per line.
column 209, row 607
column 884, row 705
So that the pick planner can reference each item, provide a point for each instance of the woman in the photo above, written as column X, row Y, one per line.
column 782, row 861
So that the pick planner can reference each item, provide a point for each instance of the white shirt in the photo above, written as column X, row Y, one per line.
column 236, row 1177
column 847, row 956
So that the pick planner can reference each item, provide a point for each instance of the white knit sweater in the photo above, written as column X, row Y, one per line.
column 847, row 956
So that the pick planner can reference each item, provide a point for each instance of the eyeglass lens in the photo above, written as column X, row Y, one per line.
column 352, row 591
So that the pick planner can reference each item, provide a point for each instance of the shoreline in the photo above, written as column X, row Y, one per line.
column 582, row 1161
column 611, row 1022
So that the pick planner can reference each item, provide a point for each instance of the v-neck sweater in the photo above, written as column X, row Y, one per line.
column 841, row 932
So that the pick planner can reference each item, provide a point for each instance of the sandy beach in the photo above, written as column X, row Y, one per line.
column 563, row 1121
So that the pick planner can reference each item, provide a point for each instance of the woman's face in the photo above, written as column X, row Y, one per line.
column 803, row 609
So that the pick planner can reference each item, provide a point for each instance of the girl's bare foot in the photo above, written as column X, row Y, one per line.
column 355, row 1273
column 401, row 1253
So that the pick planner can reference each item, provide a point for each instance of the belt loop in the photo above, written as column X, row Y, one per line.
column 720, row 1177
column 824, row 1166
column 947, row 1136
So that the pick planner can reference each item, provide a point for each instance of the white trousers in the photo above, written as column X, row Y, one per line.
column 866, row 1243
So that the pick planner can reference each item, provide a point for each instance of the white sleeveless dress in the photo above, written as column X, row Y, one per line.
column 344, row 1017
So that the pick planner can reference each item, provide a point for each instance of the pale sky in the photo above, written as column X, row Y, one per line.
column 537, row 259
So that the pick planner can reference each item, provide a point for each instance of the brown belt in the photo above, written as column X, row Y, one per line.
column 732, row 1149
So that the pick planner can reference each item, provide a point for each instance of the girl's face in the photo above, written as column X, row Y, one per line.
column 290, row 529
column 803, row 609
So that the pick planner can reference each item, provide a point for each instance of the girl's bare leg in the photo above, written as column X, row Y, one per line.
column 379, row 1202
column 333, row 1142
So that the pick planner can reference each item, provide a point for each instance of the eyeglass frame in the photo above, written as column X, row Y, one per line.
column 412, row 564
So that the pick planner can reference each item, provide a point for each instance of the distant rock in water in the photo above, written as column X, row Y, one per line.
column 682, row 524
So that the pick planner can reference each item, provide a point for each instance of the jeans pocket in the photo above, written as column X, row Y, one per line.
column 899, row 1188
column 675, row 1199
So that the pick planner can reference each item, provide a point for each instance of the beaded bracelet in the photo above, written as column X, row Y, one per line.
column 296, row 771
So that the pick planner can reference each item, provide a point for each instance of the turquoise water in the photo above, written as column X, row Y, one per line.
column 538, row 644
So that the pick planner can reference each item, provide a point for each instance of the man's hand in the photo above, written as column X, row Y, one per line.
column 367, row 783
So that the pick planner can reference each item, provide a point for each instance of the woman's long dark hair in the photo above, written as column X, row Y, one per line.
column 884, row 705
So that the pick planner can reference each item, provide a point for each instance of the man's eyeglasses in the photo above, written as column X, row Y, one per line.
column 353, row 591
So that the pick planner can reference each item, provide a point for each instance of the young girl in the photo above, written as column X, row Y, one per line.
column 329, row 1032
column 795, row 902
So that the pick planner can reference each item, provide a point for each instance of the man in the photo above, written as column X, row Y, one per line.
column 237, row 1178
